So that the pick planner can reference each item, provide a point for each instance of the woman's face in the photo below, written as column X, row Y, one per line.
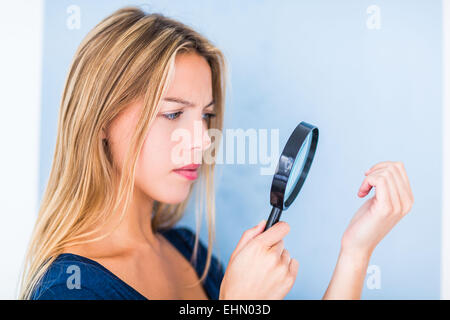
column 183, row 112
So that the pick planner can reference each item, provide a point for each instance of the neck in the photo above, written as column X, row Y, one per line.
column 133, row 235
column 135, row 230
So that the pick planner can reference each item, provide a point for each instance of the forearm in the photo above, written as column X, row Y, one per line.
column 348, row 276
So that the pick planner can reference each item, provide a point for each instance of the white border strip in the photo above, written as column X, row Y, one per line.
column 445, row 227
column 21, row 33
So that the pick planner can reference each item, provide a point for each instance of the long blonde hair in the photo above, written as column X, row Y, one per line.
column 127, row 56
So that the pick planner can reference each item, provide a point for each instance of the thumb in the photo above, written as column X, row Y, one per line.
column 247, row 236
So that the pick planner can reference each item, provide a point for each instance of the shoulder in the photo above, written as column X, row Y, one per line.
column 74, row 277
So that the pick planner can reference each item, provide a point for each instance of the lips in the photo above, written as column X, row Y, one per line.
column 189, row 171
column 189, row 167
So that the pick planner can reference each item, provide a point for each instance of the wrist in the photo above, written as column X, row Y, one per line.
column 348, row 276
column 355, row 258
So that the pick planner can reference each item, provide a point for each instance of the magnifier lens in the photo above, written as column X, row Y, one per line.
column 295, row 171
column 297, row 168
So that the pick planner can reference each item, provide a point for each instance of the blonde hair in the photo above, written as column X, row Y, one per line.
column 127, row 56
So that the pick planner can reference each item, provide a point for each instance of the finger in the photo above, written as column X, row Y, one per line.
column 403, row 189
column 274, row 234
column 378, row 165
column 385, row 164
column 393, row 180
column 402, row 170
column 293, row 266
column 401, row 167
column 365, row 187
column 249, row 235
column 278, row 247
column 285, row 257
column 382, row 190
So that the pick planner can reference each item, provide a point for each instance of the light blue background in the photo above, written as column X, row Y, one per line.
column 374, row 94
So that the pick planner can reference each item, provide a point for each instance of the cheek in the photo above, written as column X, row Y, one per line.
column 154, row 175
column 154, row 160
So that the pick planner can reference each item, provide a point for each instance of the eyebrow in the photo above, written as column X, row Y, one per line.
column 186, row 103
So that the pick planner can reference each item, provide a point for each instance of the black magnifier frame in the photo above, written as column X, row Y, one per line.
column 298, row 138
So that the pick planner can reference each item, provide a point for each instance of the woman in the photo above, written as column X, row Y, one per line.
column 119, row 184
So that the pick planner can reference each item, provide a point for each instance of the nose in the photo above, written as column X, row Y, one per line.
column 206, row 140
column 201, row 140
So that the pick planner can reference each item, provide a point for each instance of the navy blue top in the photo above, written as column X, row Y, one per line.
column 97, row 282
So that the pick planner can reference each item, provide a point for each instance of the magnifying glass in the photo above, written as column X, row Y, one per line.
column 292, row 169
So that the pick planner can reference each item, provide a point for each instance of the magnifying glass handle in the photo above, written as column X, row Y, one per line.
column 273, row 218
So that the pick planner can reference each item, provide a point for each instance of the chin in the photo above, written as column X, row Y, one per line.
column 174, row 195
column 173, row 200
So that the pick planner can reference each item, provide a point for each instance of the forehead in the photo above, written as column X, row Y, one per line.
column 191, row 78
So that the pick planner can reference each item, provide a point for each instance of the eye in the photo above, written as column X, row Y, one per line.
column 172, row 116
column 209, row 116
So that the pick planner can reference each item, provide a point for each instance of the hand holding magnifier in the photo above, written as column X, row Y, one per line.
column 293, row 167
